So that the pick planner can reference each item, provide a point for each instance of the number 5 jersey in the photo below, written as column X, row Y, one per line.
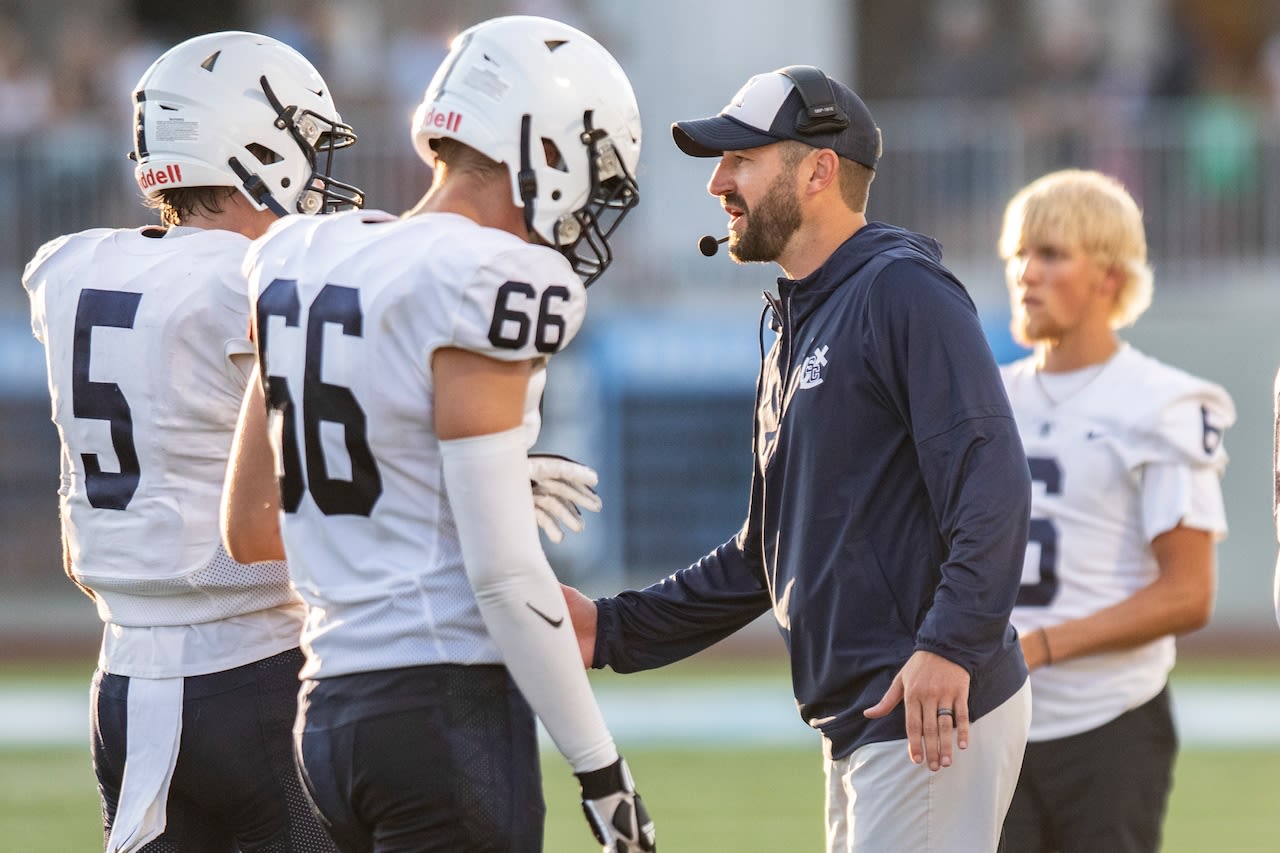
column 349, row 310
column 145, row 336
column 1119, row 453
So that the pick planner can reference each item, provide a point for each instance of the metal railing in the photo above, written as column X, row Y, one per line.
column 1206, row 171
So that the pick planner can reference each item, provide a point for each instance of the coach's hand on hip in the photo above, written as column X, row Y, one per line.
column 935, row 693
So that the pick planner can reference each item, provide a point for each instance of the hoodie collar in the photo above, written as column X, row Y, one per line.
column 850, row 256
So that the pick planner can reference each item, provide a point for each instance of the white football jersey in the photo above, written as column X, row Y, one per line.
column 1126, row 454
column 140, row 333
column 349, row 309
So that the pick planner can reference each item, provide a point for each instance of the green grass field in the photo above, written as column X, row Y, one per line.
column 703, row 799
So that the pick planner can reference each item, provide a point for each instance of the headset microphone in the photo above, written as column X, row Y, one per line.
column 709, row 245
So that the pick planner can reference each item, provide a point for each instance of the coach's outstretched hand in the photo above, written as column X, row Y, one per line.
column 614, row 810
column 583, row 614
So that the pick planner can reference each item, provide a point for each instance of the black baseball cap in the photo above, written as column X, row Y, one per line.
column 798, row 102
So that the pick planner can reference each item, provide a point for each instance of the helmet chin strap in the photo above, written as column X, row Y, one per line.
column 256, row 188
column 527, row 178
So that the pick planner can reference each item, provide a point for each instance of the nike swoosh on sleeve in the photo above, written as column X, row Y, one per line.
column 554, row 623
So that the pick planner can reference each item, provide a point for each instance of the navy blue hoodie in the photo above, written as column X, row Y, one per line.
column 889, row 502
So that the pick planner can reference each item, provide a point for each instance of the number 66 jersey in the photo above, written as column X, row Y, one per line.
column 349, row 310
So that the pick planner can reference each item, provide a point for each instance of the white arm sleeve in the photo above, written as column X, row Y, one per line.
column 487, row 480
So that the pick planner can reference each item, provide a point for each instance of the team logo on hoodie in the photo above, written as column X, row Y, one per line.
column 811, row 370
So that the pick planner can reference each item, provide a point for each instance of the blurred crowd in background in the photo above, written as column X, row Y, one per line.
column 64, row 66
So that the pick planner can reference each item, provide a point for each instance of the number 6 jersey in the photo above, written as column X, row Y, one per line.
column 1129, row 450
column 349, row 309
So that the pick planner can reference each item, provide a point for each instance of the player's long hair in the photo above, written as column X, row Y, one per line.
column 1093, row 211
column 177, row 204
column 463, row 158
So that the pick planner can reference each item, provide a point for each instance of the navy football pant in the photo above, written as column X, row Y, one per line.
column 1104, row 789
column 236, row 785
column 430, row 758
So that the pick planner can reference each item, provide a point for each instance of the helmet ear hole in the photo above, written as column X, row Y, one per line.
column 264, row 155
column 555, row 160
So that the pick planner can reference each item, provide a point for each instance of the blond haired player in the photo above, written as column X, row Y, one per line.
column 1126, row 458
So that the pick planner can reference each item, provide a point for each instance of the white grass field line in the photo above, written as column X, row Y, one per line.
column 1208, row 716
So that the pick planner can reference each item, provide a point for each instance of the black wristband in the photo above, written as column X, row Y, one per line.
column 602, row 782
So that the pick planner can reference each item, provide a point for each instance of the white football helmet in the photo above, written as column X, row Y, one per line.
column 242, row 110
column 554, row 106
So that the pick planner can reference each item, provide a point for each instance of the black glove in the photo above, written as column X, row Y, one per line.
column 614, row 810
column 562, row 488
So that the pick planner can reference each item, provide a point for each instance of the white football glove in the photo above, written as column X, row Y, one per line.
column 562, row 488
column 614, row 810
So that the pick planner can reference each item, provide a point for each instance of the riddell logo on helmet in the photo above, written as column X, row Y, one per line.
column 171, row 174
column 449, row 121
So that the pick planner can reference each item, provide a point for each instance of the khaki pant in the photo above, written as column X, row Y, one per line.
column 879, row 802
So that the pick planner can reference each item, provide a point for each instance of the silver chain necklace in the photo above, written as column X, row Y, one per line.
column 1046, row 423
